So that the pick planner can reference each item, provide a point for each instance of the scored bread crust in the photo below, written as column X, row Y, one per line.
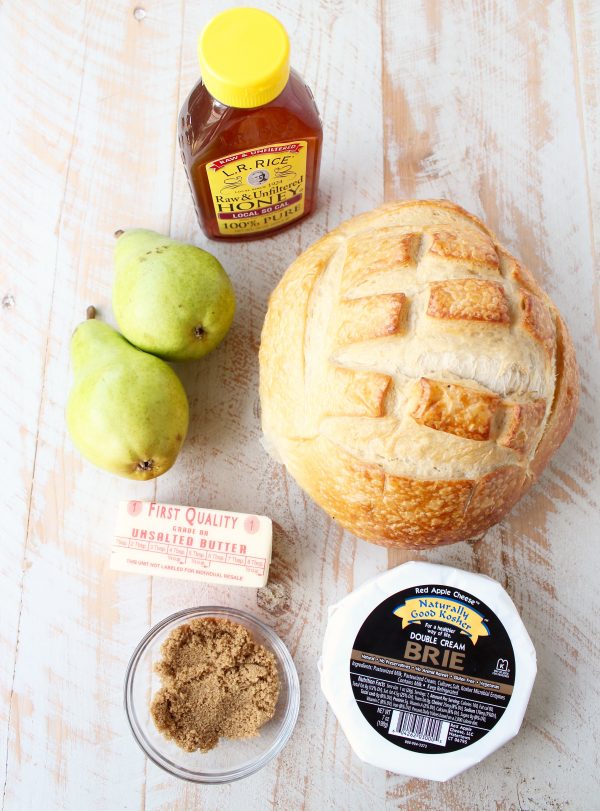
column 414, row 378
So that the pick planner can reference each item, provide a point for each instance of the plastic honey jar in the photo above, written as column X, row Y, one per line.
column 249, row 132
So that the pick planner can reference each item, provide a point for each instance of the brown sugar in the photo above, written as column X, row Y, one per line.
column 217, row 682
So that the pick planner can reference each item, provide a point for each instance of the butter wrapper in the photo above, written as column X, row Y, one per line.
column 192, row 543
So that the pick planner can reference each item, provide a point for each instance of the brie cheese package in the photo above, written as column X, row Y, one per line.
column 192, row 543
column 428, row 669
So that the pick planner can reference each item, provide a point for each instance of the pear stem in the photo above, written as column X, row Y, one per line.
column 90, row 312
column 118, row 233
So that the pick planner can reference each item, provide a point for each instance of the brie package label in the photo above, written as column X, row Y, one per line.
column 192, row 543
column 432, row 669
column 428, row 669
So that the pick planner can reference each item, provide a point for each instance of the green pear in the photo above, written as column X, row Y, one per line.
column 171, row 299
column 127, row 411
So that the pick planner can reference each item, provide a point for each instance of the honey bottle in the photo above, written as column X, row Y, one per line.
column 249, row 132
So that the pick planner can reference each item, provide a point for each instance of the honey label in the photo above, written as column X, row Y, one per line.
column 258, row 189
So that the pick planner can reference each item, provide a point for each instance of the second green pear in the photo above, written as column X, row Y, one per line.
column 127, row 411
column 170, row 299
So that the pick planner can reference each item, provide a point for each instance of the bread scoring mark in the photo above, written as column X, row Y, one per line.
column 468, row 300
column 306, row 288
column 423, row 246
column 362, row 319
column 315, row 290
column 414, row 356
column 402, row 447
column 355, row 394
column 513, row 270
column 478, row 250
column 395, row 249
column 521, row 424
column 565, row 399
column 455, row 409
column 394, row 509
column 537, row 321
column 384, row 504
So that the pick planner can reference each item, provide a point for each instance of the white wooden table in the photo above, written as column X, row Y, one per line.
column 495, row 105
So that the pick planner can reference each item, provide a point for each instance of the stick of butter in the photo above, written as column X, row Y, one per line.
column 192, row 543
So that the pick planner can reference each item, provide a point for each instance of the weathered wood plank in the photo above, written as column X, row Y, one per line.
column 483, row 110
column 585, row 37
column 34, row 162
column 95, row 94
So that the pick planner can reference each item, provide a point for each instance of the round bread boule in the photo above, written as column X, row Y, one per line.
column 414, row 378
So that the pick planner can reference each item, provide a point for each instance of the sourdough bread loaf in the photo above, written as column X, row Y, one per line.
column 414, row 378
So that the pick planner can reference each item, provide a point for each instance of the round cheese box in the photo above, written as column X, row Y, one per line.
column 428, row 669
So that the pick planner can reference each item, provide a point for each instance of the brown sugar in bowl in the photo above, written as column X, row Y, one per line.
column 217, row 682
column 414, row 378
column 231, row 758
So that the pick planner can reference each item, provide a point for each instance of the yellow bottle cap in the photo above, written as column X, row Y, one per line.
column 244, row 57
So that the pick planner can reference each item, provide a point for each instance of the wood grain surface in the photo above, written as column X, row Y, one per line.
column 493, row 104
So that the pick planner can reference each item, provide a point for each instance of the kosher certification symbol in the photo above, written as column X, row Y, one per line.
column 502, row 668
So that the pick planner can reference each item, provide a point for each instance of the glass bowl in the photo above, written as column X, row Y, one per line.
column 231, row 759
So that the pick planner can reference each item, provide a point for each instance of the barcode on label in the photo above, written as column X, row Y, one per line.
column 419, row 727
